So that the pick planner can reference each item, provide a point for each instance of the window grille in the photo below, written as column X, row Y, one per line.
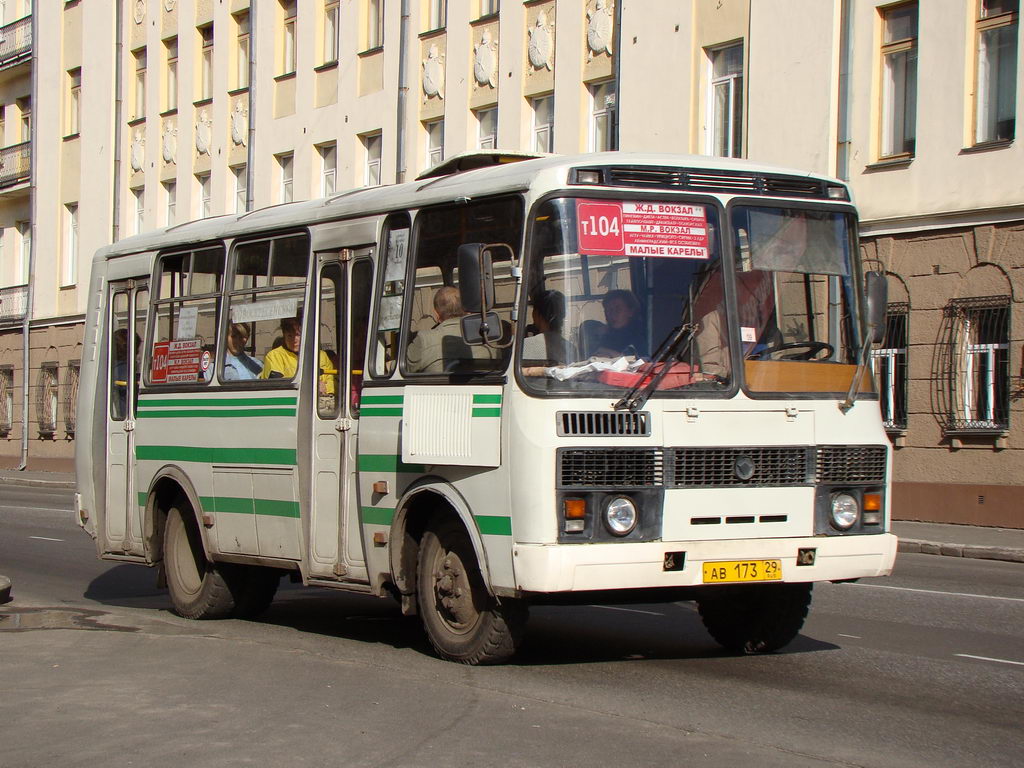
column 70, row 399
column 47, row 399
column 978, row 350
column 889, row 363
column 6, row 400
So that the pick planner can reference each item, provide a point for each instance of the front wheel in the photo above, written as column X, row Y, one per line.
column 755, row 618
column 463, row 622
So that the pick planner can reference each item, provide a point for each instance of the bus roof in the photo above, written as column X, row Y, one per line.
column 493, row 173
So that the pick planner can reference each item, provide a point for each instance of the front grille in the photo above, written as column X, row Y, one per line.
column 717, row 467
column 620, row 423
column 850, row 464
column 610, row 468
column 703, row 180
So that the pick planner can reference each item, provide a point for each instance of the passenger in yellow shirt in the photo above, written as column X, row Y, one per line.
column 282, row 362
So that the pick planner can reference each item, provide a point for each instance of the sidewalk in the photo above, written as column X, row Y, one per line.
column 925, row 538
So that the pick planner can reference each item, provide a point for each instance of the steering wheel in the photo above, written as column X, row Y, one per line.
column 811, row 350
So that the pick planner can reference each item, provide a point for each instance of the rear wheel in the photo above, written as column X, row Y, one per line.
column 254, row 588
column 463, row 622
column 199, row 589
column 755, row 618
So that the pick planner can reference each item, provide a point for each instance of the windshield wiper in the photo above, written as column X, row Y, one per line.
column 639, row 393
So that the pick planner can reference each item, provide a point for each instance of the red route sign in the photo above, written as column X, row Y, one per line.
column 667, row 230
column 175, row 362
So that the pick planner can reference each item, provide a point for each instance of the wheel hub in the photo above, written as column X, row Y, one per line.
column 453, row 594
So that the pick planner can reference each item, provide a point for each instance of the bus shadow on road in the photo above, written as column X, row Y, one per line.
column 127, row 586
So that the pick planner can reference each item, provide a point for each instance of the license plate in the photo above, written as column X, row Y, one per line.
column 731, row 571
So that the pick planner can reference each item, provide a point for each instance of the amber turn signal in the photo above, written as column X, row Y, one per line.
column 575, row 509
column 872, row 502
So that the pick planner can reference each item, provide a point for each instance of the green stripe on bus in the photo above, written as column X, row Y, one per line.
column 211, row 414
column 242, row 506
column 377, row 515
column 364, row 411
column 275, row 508
column 216, row 455
column 373, row 462
column 143, row 498
column 486, row 412
column 382, row 399
column 214, row 402
column 482, row 399
column 494, row 525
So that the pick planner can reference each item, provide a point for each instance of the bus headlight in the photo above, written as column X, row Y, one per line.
column 845, row 511
column 620, row 515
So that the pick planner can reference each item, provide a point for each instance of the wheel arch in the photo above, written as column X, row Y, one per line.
column 168, row 484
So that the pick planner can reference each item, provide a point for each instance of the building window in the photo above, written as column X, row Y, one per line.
column 487, row 133
column 602, row 116
column 241, row 174
column 139, row 197
column 889, row 363
column 725, row 101
column 374, row 24
column 328, row 168
column 25, row 236
column 437, row 13
column 6, row 400
column 331, row 16
column 139, row 107
column 171, row 75
column 543, row 124
column 996, row 88
column 203, row 196
column 285, row 164
column 206, row 63
column 435, row 142
column 288, row 37
column 72, row 375
column 47, row 399
column 899, row 80
column 979, row 355
column 489, row 7
column 171, row 197
column 25, row 123
column 74, row 110
column 372, row 147
column 69, row 275
column 242, row 50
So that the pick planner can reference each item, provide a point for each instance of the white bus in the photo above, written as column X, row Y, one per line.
column 607, row 378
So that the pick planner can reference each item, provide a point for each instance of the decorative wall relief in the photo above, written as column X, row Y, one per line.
column 433, row 73
column 485, row 60
column 169, row 5
column 169, row 142
column 203, row 130
column 240, row 123
column 541, row 44
column 139, row 13
column 138, row 152
column 600, row 27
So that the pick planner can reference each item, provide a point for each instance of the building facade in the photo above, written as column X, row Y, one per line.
column 126, row 116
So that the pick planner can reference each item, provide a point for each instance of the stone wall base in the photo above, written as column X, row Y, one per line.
column 963, row 503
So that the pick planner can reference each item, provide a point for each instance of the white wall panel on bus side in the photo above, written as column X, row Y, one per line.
column 455, row 426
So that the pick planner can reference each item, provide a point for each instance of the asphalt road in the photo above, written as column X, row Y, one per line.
column 925, row 668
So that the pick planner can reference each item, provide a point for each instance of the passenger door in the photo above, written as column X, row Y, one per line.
column 128, row 303
column 344, row 284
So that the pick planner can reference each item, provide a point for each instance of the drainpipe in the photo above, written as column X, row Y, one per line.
column 250, row 148
column 26, row 323
column 403, row 92
column 845, row 67
column 617, row 37
column 115, row 229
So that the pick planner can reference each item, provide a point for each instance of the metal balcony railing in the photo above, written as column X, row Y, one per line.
column 15, row 164
column 15, row 42
column 13, row 301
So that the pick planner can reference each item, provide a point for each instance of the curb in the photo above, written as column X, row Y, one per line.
column 1006, row 554
column 5, row 590
column 36, row 483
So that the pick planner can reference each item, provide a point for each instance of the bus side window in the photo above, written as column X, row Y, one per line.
column 395, row 255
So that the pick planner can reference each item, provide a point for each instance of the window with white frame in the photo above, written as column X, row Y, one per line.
column 25, row 122
column 725, row 101
column 487, row 128
column 25, row 238
column 435, row 142
column 240, row 175
column 206, row 63
column 139, row 105
column 979, row 355
column 374, row 24
column 288, row 11
column 170, row 202
column 602, row 116
column 331, row 17
column 139, row 198
column 285, row 169
column 489, row 7
column 543, row 123
column 203, row 195
column 242, row 38
column 437, row 13
column 372, row 151
column 996, row 88
column 889, row 363
column 171, row 75
column 74, row 125
column 899, row 80
column 69, row 273
column 328, row 168
column 47, row 399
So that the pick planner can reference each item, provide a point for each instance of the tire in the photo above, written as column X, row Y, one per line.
column 756, row 618
column 254, row 588
column 463, row 622
column 199, row 589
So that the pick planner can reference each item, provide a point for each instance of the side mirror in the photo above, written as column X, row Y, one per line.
column 876, row 295
column 476, row 277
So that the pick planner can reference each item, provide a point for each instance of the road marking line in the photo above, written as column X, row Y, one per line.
column 989, row 658
column 937, row 592
column 852, row 637
column 628, row 610
column 44, row 538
